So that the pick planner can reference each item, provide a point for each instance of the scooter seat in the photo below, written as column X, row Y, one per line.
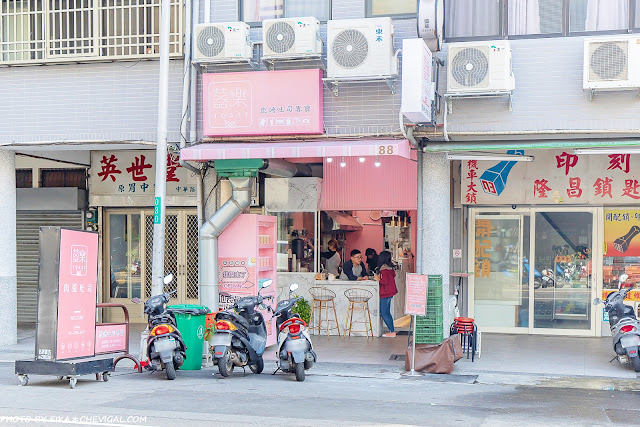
column 234, row 317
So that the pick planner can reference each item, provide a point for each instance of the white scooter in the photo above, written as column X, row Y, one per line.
column 625, row 326
column 295, row 351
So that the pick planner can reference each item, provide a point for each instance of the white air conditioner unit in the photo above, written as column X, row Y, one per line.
column 479, row 67
column 223, row 41
column 611, row 63
column 361, row 48
column 290, row 37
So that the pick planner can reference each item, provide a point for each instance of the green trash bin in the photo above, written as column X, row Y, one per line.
column 190, row 320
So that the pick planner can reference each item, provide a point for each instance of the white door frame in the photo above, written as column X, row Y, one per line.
column 597, row 240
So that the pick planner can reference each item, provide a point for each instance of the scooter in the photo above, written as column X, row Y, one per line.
column 295, row 351
column 165, row 347
column 625, row 326
column 240, row 335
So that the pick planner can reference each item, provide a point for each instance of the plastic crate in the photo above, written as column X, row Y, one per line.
column 434, row 295
column 430, row 330
column 428, row 338
column 434, row 280
column 428, row 321
column 434, row 311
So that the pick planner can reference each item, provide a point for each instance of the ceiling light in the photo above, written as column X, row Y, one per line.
column 342, row 163
column 490, row 156
column 377, row 163
column 632, row 149
column 361, row 159
column 329, row 159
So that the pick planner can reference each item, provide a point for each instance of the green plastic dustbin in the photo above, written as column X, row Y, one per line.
column 190, row 320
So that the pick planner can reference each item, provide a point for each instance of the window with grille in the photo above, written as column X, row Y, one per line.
column 391, row 8
column 254, row 11
column 54, row 30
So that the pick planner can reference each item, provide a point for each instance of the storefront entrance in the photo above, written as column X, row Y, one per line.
column 534, row 270
column 128, row 250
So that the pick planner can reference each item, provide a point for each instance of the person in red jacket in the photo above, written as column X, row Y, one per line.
column 387, row 279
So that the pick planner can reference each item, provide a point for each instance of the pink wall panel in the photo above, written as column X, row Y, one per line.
column 362, row 186
column 369, row 237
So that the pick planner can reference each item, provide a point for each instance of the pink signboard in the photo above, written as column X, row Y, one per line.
column 111, row 338
column 416, row 296
column 77, row 282
column 237, row 276
column 262, row 103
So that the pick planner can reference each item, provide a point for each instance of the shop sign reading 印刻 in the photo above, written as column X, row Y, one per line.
column 262, row 103
column 554, row 177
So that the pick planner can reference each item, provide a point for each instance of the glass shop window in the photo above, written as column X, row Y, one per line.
column 296, row 241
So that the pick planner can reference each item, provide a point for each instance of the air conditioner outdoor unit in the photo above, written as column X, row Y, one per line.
column 479, row 67
column 611, row 63
column 290, row 37
column 223, row 41
column 361, row 48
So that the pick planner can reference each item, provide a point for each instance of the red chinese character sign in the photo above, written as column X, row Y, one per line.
column 263, row 103
column 132, row 174
column 554, row 177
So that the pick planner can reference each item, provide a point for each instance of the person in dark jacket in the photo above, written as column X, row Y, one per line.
column 354, row 269
column 387, row 279
column 372, row 260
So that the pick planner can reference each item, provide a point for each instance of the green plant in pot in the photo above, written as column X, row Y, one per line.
column 303, row 309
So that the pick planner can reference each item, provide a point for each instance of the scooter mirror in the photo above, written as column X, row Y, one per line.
column 168, row 279
column 266, row 284
column 136, row 300
column 293, row 287
column 597, row 301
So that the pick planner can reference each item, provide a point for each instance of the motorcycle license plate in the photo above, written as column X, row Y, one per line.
column 166, row 344
column 630, row 341
column 221, row 339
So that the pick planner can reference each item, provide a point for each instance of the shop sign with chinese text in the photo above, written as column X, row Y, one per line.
column 132, row 173
column 263, row 103
column 554, row 177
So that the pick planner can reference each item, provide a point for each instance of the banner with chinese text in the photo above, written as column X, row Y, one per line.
column 554, row 177
column 132, row 173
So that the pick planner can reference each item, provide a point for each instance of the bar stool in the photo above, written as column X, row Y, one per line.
column 323, row 299
column 358, row 302
column 469, row 335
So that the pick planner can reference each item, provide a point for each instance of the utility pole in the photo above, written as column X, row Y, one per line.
column 157, row 270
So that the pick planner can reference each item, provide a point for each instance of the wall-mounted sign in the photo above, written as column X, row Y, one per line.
column 621, row 229
column 111, row 338
column 262, row 103
column 417, row 88
column 132, row 174
column 554, row 177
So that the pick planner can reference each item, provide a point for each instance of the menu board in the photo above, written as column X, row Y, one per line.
column 416, row 294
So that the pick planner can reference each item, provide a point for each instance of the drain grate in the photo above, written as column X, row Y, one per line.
column 398, row 357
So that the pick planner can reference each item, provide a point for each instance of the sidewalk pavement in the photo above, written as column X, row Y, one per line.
column 528, row 360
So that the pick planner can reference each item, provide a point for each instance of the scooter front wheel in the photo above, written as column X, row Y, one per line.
column 300, row 371
column 225, row 365
column 258, row 366
column 171, row 370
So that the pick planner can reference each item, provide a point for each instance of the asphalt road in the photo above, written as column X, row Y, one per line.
column 200, row 398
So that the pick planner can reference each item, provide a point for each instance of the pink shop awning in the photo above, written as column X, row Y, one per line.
column 297, row 149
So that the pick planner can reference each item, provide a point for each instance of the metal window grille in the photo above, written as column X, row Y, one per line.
column 40, row 31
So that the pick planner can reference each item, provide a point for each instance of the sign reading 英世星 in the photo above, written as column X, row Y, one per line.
column 132, row 174
column 262, row 103
column 554, row 177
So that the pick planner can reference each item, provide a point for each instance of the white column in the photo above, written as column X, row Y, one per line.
column 436, row 240
column 8, row 268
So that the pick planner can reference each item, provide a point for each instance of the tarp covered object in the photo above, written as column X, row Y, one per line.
column 436, row 358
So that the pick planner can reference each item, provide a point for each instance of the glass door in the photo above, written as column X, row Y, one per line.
column 563, row 271
column 500, row 265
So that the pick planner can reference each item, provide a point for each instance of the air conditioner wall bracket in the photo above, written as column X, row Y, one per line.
column 448, row 98
column 332, row 83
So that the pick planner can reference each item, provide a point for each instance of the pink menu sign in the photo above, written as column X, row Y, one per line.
column 263, row 103
column 77, row 283
column 416, row 294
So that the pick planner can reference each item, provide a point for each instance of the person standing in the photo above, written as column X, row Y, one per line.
column 372, row 260
column 387, row 279
column 354, row 268
column 333, row 257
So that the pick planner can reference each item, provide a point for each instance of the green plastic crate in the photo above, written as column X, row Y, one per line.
column 430, row 330
column 434, row 295
column 428, row 321
column 428, row 338
column 434, row 280
column 435, row 311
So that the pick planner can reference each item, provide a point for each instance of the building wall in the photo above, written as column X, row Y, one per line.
column 87, row 102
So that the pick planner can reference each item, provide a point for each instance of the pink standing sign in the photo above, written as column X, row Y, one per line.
column 416, row 294
column 77, row 293
column 111, row 338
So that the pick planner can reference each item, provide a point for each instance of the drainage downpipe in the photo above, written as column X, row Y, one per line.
column 208, row 239
column 420, row 207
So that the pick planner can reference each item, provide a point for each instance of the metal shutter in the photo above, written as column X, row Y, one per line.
column 27, row 227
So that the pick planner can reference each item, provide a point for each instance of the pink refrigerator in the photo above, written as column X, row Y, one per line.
column 247, row 258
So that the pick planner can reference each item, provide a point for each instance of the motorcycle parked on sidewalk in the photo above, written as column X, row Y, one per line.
column 295, row 351
column 625, row 326
column 240, row 335
column 165, row 347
